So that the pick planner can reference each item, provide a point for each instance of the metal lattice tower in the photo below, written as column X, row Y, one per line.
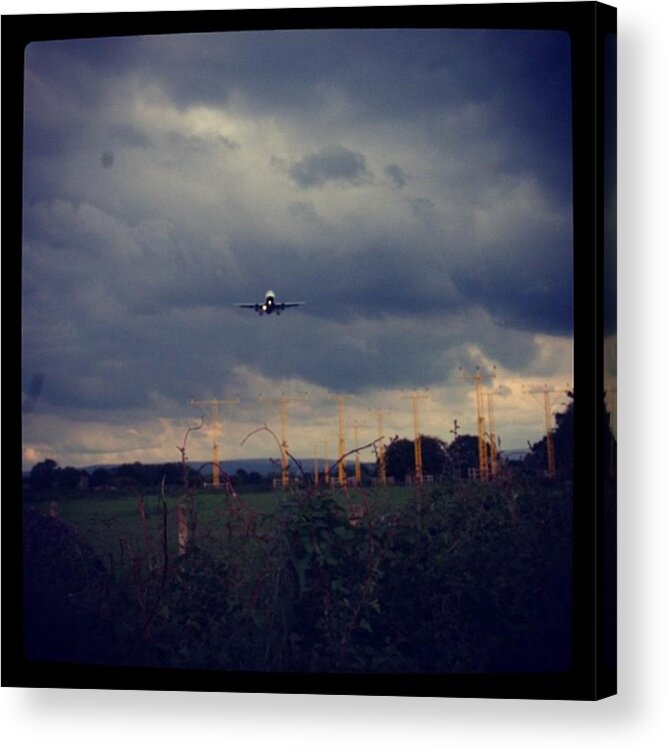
column 478, row 378
column 418, row 456
column 357, row 462
column 327, row 471
column 284, row 445
column 315, row 474
column 216, row 431
column 492, row 436
column 546, row 392
column 342, row 474
column 381, row 449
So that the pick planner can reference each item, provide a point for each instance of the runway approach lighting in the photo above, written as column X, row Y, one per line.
column 269, row 305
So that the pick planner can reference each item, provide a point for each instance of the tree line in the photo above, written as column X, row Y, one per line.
column 440, row 460
column 47, row 476
column 460, row 457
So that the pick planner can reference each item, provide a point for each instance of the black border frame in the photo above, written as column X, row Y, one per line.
column 587, row 23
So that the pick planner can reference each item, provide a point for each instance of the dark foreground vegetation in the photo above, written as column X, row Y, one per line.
column 458, row 578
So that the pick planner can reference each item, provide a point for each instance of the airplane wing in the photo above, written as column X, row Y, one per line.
column 290, row 304
column 251, row 305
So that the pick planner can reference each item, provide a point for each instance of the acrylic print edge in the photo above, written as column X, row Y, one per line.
column 589, row 678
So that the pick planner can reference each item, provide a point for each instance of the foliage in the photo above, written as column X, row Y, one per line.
column 47, row 477
column 43, row 474
column 451, row 461
column 65, row 593
column 464, row 454
column 400, row 459
column 563, row 439
column 473, row 579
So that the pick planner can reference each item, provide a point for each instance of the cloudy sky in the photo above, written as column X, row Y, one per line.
column 412, row 186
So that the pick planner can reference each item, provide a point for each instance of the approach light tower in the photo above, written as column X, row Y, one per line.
column 546, row 391
column 492, row 437
column 342, row 474
column 418, row 456
column 216, row 429
column 284, row 445
column 315, row 468
column 381, row 448
column 327, row 471
column 478, row 379
column 357, row 463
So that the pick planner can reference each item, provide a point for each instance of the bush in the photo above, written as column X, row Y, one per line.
column 473, row 579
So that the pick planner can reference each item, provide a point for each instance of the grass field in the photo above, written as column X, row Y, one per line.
column 458, row 578
column 107, row 522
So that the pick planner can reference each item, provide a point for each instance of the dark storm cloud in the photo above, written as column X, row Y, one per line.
column 421, row 206
column 518, row 79
column 520, row 300
column 396, row 175
column 199, row 144
column 387, row 353
column 500, row 98
column 335, row 163
column 166, row 178
column 130, row 135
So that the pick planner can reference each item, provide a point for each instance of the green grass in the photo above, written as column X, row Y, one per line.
column 476, row 578
column 113, row 527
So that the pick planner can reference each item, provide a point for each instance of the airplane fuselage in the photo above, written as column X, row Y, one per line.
column 269, row 305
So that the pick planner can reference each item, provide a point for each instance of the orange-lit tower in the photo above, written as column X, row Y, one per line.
column 546, row 391
column 315, row 474
column 357, row 463
column 216, row 430
column 381, row 451
column 284, row 445
column 492, row 437
column 418, row 456
column 478, row 379
column 342, row 474
column 327, row 473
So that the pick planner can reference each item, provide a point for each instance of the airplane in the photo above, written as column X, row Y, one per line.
column 269, row 304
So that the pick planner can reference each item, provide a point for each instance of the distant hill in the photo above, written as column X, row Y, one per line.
column 266, row 467
column 260, row 465
column 263, row 466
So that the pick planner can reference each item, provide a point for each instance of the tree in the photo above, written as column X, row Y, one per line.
column 400, row 459
column 563, row 435
column 563, row 438
column 43, row 475
column 68, row 478
column 434, row 455
column 138, row 474
column 464, row 455
column 101, row 477
column 240, row 477
column 609, row 443
column 172, row 473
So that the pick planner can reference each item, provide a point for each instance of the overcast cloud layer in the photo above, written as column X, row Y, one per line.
column 414, row 187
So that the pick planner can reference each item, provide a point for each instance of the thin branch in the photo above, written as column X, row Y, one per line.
column 355, row 450
column 297, row 462
column 265, row 428
column 165, row 569
column 187, row 434
column 262, row 429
